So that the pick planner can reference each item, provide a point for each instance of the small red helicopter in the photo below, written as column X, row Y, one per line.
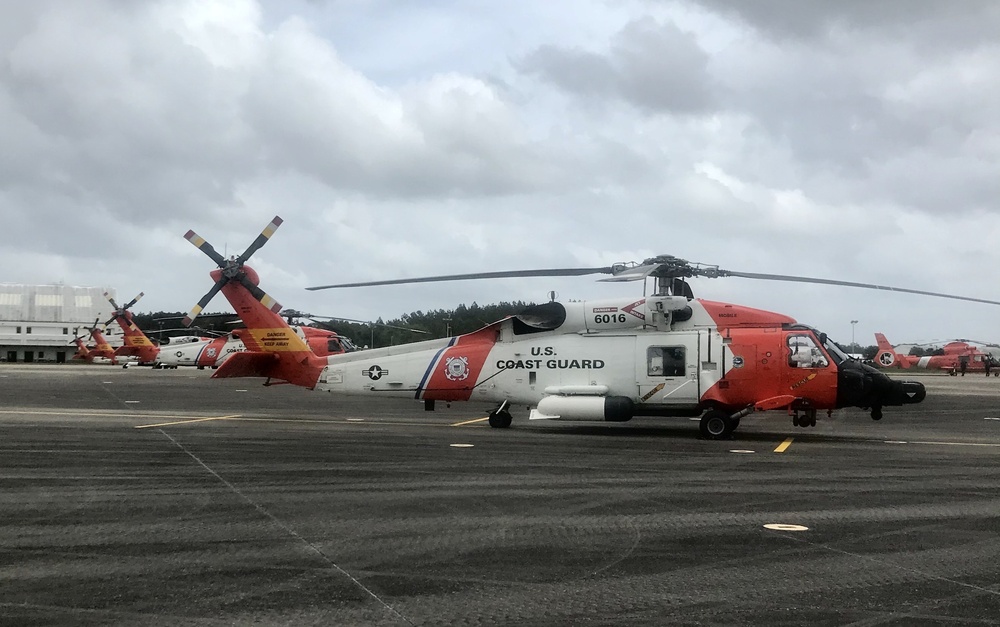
column 951, row 360
column 213, row 352
column 100, row 353
column 668, row 354
column 137, row 346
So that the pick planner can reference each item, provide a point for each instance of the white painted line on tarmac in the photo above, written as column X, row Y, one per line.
column 896, row 442
column 355, row 420
column 184, row 422
column 990, row 418
column 461, row 445
column 741, row 450
column 133, row 401
column 784, row 527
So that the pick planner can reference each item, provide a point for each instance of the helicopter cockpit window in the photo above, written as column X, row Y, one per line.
column 804, row 353
column 837, row 352
column 333, row 346
column 665, row 361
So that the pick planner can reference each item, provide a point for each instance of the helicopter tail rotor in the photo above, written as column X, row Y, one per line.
column 233, row 270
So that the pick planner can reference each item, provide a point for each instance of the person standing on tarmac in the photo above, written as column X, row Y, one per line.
column 988, row 364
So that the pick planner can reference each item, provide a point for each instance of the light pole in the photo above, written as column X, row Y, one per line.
column 854, row 346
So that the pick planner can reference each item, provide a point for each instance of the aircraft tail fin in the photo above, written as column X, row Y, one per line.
column 275, row 350
column 887, row 357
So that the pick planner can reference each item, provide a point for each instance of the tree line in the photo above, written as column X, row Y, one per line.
column 411, row 327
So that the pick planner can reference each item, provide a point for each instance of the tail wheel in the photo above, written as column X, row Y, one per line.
column 500, row 419
column 716, row 425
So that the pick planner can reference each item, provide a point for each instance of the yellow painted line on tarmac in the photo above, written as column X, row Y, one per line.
column 184, row 422
column 469, row 422
column 784, row 445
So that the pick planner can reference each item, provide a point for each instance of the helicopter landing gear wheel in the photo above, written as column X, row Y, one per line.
column 716, row 425
column 500, row 418
column 876, row 413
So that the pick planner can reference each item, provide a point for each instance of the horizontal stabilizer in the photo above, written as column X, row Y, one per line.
column 247, row 364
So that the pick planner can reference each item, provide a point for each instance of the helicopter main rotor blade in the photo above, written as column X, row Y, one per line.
column 260, row 241
column 870, row 286
column 474, row 275
column 377, row 324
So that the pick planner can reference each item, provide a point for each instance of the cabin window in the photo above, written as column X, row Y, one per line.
column 333, row 346
column 804, row 353
column 665, row 361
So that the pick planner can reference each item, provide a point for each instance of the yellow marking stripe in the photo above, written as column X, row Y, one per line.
column 278, row 339
column 269, row 230
column 198, row 241
column 469, row 422
column 784, row 445
column 184, row 422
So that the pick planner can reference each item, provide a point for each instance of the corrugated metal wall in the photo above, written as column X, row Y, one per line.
column 54, row 303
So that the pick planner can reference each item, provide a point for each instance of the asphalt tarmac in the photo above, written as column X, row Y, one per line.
column 168, row 498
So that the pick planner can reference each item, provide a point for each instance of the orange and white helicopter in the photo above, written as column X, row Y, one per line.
column 137, row 345
column 667, row 354
column 100, row 353
column 211, row 353
column 950, row 360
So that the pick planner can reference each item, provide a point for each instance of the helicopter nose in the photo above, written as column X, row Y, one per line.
column 865, row 386
column 904, row 393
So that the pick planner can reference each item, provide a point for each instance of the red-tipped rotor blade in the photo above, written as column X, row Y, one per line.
column 111, row 300
column 134, row 300
column 188, row 319
column 200, row 243
column 260, row 241
column 259, row 294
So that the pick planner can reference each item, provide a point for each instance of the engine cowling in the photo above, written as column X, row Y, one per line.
column 584, row 408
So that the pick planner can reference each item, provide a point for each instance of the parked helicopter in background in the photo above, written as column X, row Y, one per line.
column 136, row 344
column 213, row 352
column 667, row 354
column 953, row 356
column 101, row 352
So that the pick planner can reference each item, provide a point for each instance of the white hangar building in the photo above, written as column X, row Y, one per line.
column 37, row 322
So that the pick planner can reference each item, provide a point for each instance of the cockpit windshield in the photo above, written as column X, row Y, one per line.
column 838, row 354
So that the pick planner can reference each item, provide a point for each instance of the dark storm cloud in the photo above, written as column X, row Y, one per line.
column 933, row 21
column 654, row 66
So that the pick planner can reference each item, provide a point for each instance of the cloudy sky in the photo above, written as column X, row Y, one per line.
column 851, row 140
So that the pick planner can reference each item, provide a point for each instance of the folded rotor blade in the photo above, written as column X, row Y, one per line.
column 200, row 243
column 188, row 319
column 870, row 286
column 260, row 241
column 475, row 275
column 636, row 273
column 259, row 294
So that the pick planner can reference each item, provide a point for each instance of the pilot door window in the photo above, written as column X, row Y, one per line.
column 665, row 361
column 804, row 353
